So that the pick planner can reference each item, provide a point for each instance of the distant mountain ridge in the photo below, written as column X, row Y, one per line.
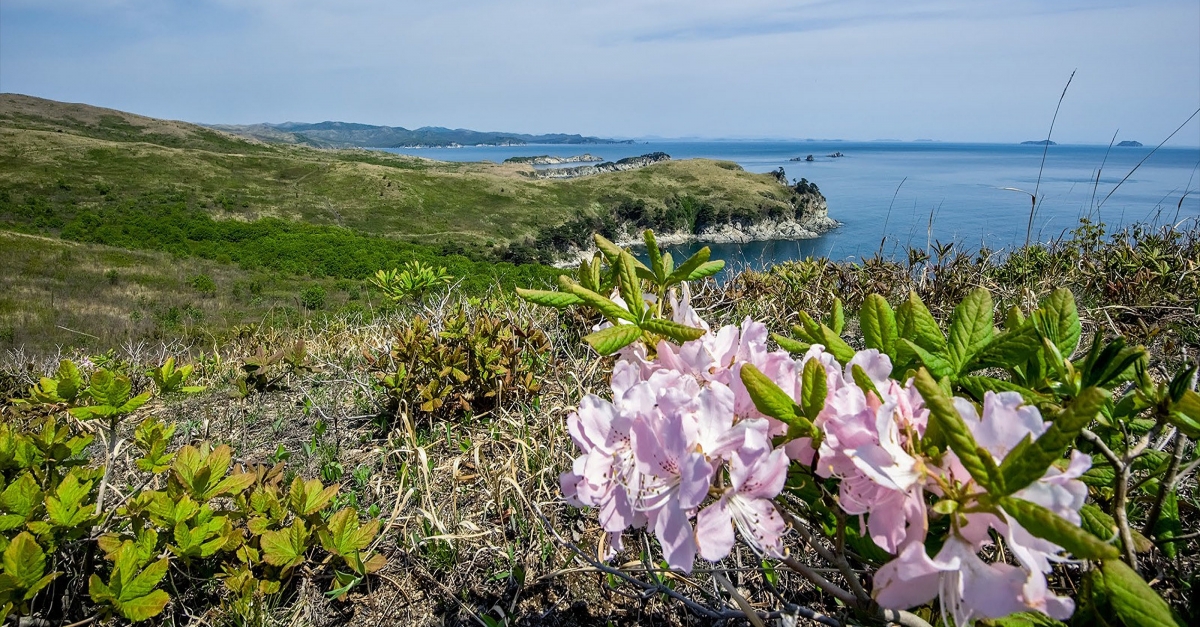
column 332, row 134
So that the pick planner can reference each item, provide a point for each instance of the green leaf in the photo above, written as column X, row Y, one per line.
column 693, row 263
column 771, row 400
column 1168, row 524
column 1047, row 525
column 134, row 403
column 145, row 608
column 145, row 581
column 1058, row 319
column 978, row 386
column 878, row 323
column 816, row 333
column 917, row 324
column 1185, row 414
column 938, row 365
column 310, row 497
column 108, row 389
column 1028, row 461
column 950, row 425
column 863, row 381
column 1010, row 349
column 1098, row 523
column 656, row 258
column 837, row 317
column 611, row 310
column 1134, row 602
column 24, row 560
column 790, row 345
column 631, row 286
column 285, row 548
column 21, row 496
column 970, row 328
column 706, row 269
column 813, row 388
column 612, row 339
column 1022, row 619
column 679, row 332
column 558, row 300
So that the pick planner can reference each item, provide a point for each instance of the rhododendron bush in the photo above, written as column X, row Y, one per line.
column 953, row 476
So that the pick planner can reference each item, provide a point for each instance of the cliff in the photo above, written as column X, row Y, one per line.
column 629, row 163
column 810, row 220
column 549, row 160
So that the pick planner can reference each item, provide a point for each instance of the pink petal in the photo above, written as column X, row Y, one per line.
column 714, row 531
column 907, row 581
column 674, row 533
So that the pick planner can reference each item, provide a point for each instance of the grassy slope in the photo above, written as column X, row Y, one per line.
column 78, row 156
column 55, row 293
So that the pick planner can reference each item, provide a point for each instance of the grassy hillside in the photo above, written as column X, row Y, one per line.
column 60, row 161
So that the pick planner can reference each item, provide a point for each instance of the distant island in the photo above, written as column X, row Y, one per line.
column 1129, row 144
column 549, row 160
column 1042, row 142
column 351, row 135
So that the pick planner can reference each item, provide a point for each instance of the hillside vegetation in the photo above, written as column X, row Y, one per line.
column 64, row 165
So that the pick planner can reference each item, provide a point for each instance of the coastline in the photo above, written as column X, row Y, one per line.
column 816, row 222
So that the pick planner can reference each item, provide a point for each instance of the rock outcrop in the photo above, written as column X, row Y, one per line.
column 812, row 220
column 550, row 160
column 1129, row 144
column 629, row 163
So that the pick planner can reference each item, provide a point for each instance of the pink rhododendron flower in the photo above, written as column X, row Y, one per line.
column 757, row 474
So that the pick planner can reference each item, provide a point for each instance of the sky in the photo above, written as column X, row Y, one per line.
column 983, row 70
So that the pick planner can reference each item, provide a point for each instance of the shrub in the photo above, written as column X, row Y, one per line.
column 475, row 363
column 204, row 284
column 313, row 297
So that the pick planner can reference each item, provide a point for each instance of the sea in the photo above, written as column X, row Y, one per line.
column 890, row 196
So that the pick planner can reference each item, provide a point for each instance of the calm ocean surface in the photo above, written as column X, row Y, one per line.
column 959, row 186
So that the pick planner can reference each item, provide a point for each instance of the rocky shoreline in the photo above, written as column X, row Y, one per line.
column 552, row 160
column 629, row 163
column 814, row 223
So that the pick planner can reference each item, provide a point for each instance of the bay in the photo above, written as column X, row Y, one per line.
column 893, row 195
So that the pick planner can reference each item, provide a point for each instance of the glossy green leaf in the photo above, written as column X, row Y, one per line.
column 1047, row 525
column 608, row 308
column 631, row 286
column 970, row 328
column 878, row 323
column 558, row 300
column 915, row 323
column 1134, row 602
column 612, row 339
column 814, row 387
column 692, row 264
column 769, row 399
column 679, row 332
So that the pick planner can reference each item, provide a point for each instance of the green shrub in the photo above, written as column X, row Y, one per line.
column 477, row 362
column 204, row 284
column 313, row 297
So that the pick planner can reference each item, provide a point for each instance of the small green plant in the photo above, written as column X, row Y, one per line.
column 204, row 284
column 243, row 526
column 313, row 297
column 475, row 363
column 413, row 282
column 170, row 379
column 268, row 372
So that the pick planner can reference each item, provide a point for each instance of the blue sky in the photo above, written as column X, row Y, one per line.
column 854, row 69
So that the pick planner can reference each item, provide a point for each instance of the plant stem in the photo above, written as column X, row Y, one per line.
column 1122, row 494
column 1166, row 485
column 110, row 453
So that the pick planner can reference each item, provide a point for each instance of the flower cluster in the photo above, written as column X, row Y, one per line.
column 683, row 451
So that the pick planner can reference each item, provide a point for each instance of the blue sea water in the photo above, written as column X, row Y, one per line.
column 891, row 195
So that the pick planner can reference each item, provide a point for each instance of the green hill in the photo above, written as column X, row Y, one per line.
column 62, row 163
